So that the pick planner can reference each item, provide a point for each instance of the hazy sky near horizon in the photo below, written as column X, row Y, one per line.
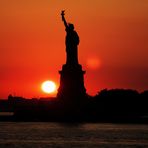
column 113, row 44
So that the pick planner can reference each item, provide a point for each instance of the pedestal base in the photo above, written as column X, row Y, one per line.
column 71, row 83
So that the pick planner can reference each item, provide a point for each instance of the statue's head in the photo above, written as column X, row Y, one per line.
column 71, row 26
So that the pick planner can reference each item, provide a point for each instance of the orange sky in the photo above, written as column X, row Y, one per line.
column 113, row 43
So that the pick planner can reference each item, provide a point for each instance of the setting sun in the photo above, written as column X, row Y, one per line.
column 48, row 87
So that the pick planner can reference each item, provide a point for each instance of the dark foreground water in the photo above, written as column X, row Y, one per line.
column 88, row 135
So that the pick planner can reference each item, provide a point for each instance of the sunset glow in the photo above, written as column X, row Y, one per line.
column 113, row 47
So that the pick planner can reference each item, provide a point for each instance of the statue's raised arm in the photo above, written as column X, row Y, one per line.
column 63, row 18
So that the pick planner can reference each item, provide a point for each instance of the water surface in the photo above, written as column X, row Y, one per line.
column 88, row 135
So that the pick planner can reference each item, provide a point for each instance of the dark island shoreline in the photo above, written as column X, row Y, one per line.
column 108, row 106
column 140, row 120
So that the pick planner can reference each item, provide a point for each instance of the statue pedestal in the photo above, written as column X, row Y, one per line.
column 71, row 84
